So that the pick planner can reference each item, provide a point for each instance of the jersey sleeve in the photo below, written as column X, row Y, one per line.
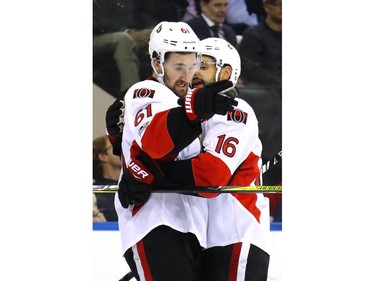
column 155, row 121
column 169, row 132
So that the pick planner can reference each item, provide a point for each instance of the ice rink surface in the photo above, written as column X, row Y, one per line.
column 109, row 265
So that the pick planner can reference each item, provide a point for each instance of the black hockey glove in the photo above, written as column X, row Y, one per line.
column 114, row 120
column 139, row 179
column 203, row 103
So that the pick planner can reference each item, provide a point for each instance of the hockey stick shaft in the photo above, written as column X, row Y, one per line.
column 198, row 189
column 274, row 160
column 127, row 277
column 208, row 189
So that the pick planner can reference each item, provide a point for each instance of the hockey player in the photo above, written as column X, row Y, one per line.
column 162, row 234
column 238, row 224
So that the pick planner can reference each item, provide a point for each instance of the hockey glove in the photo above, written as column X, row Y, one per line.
column 139, row 179
column 203, row 103
column 114, row 120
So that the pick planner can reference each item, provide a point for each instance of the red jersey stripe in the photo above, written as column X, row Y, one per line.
column 142, row 256
column 157, row 132
column 233, row 267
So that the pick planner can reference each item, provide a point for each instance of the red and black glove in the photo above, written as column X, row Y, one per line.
column 114, row 120
column 139, row 178
column 203, row 103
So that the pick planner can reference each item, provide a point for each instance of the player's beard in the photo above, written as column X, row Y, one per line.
column 197, row 82
column 180, row 88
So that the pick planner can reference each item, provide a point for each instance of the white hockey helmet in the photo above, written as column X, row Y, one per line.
column 172, row 37
column 224, row 53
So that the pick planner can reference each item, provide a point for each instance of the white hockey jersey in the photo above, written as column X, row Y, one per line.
column 181, row 212
column 234, row 143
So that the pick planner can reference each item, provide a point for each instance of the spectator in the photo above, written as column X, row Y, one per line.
column 117, row 46
column 97, row 216
column 191, row 10
column 121, row 34
column 239, row 17
column 240, row 14
column 211, row 21
column 106, row 171
column 260, row 48
column 124, row 46
column 256, row 7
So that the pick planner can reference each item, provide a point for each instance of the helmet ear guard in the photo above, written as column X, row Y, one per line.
column 156, row 56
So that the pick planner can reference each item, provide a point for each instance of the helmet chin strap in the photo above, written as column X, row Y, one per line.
column 218, row 68
column 160, row 75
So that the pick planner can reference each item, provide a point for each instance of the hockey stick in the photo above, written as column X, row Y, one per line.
column 198, row 189
column 209, row 189
column 127, row 277
column 273, row 161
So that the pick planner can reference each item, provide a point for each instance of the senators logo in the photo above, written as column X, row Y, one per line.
column 237, row 116
column 143, row 93
column 159, row 28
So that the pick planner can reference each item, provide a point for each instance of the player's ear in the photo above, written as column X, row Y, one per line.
column 225, row 72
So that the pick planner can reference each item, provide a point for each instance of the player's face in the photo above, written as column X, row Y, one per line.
column 179, row 69
column 205, row 74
